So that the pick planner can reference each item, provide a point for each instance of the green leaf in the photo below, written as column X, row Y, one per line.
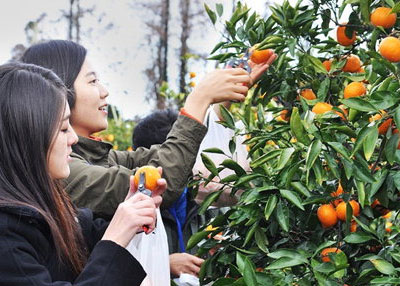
column 313, row 152
column 361, row 192
column 292, row 197
column 284, row 157
column 282, row 215
column 209, row 164
column 249, row 275
column 250, row 234
column 338, row 147
column 385, row 280
column 227, row 116
column 358, row 237
column 297, row 127
column 362, row 173
column 396, row 8
column 364, row 7
column 270, row 206
column 318, row 66
column 214, row 150
column 196, row 238
column 220, row 9
column 265, row 158
column 261, row 239
column 397, row 114
column 332, row 164
column 240, row 261
column 383, row 266
column 362, row 136
column 359, row 104
column 298, row 186
column 233, row 165
column 244, row 179
column 370, row 142
column 211, row 14
column 324, row 88
column 284, row 262
column 209, row 200
column 391, row 147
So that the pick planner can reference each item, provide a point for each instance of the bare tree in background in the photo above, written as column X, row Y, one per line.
column 73, row 16
column 157, row 39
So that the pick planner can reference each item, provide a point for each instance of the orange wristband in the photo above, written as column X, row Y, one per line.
column 185, row 113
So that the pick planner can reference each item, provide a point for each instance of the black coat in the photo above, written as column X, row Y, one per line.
column 28, row 255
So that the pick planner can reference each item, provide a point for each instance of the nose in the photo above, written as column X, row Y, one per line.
column 72, row 137
column 103, row 91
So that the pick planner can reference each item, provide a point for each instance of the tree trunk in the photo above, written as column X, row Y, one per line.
column 185, row 8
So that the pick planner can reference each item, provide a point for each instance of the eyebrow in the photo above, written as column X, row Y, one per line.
column 91, row 73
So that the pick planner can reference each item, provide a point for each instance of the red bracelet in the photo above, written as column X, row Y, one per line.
column 185, row 113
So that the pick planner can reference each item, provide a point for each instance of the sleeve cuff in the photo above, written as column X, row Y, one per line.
column 185, row 113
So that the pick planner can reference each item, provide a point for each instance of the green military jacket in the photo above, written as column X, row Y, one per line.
column 99, row 177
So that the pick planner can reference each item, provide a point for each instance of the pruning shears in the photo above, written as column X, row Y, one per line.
column 143, row 190
column 241, row 63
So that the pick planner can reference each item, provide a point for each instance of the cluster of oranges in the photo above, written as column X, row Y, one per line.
column 389, row 48
column 329, row 214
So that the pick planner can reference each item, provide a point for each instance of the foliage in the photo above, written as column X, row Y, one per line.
column 272, row 236
column 119, row 131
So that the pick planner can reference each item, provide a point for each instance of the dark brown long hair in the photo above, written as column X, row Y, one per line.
column 64, row 58
column 32, row 103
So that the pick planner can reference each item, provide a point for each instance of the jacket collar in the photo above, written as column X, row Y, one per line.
column 92, row 150
column 22, row 211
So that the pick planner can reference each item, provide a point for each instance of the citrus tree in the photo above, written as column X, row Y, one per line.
column 320, row 203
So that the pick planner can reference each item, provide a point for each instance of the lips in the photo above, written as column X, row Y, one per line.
column 103, row 107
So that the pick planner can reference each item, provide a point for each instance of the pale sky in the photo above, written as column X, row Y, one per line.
column 119, row 54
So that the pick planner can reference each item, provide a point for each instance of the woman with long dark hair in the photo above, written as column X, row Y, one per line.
column 44, row 240
column 99, row 174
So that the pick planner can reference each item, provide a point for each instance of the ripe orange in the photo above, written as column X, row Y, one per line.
column 342, row 38
column 387, row 215
column 151, row 175
column 375, row 203
column 341, row 209
column 327, row 215
column 338, row 192
column 284, row 115
column 353, row 64
column 326, row 251
column 390, row 49
column 353, row 226
column 260, row 56
column 345, row 112
column 327, row 64
column 321, row 107
column 388, row 226
column 354, row 89
column 308, row 94
column 382, row 17
column 383, row 128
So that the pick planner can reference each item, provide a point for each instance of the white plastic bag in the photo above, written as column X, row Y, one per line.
column 151, row 250
column 187, row 280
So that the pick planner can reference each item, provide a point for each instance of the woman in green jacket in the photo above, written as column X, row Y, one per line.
column 99, row 176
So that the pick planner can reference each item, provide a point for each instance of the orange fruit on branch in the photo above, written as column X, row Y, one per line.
column 327, row 64
column 338, row 192
column 308, row 94
column 327, row 215
column 151, row 175
column 260, row 56
column 354, row 89
column 341, row 209
column 321, row 107
column 383, row 128
column 342, row 37
column 383, row 17
column 390, row 49
column 353, row 64
column 325, row 253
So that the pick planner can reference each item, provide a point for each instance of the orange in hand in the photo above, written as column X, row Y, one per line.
column 260, row 56
column 151, row 175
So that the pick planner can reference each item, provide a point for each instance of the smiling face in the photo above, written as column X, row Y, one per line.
column 61, row 148
column 89, row 114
